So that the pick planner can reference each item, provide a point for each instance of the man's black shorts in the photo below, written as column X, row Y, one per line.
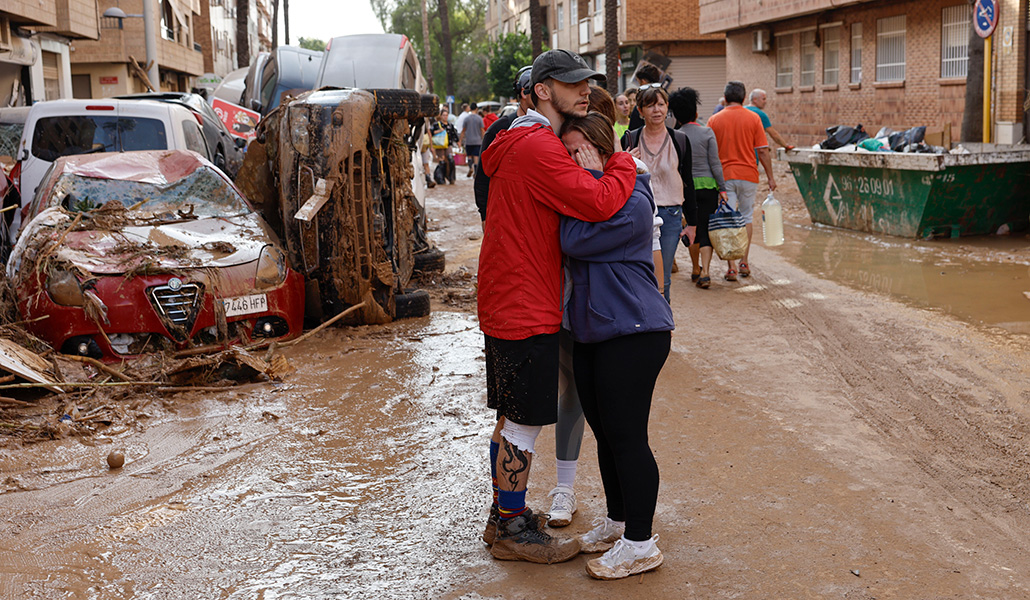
column 472, row 150
column 522, row 378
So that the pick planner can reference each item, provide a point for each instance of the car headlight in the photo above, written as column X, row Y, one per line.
column 299, row 117
column 271, row 267
column 64, row 288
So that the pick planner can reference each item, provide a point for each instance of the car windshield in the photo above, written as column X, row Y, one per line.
column 82, row 134
column 202, row 193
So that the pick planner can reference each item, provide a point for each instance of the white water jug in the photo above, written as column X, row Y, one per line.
column 772, row 221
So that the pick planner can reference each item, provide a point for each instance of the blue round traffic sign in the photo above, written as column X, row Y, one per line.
column 985, row 17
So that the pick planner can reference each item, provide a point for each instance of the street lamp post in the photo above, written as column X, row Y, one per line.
column 149, row 35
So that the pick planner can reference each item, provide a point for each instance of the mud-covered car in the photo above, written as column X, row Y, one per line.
column 332, row 170
column 134, row 252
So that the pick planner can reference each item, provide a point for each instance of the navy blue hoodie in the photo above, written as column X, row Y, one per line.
column 614, row 289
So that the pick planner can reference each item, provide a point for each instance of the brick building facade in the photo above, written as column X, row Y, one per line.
column 666, row 28
column 879, row 63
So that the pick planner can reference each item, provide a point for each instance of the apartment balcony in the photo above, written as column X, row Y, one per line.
column 77, row 19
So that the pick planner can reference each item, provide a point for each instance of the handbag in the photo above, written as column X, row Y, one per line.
column 726, row 229
column 440, row 139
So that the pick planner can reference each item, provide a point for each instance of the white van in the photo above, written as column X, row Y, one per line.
column 65, row 127
column 371, row 61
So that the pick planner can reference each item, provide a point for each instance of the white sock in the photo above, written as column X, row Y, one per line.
column 567, row 472
column 639, row 548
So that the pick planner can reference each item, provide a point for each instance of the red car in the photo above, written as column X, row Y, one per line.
column 134, row 252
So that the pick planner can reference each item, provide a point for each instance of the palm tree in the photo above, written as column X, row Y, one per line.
column 425, row 42
column 242, row 34
column 536, row 27
column 275, row 24
column 445, row 44
column 611, row 45
column 286, row 21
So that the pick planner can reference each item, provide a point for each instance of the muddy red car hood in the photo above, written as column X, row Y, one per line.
column 204, row 242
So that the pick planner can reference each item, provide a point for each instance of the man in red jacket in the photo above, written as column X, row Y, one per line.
column 533, row 181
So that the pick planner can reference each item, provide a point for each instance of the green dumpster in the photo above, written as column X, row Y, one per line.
column 916, row 195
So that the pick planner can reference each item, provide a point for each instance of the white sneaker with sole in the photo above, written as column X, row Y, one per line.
column 623, row 560
column 563, row 506
column 603, row 536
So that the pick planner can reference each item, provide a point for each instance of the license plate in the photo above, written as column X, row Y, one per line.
column 245, row 305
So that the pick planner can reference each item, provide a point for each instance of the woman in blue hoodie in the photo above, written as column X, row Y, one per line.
column 622, row 327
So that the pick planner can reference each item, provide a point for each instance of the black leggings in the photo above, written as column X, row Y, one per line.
column 707, row 202
column 616, row 380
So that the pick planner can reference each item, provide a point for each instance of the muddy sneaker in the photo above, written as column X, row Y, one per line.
column 490, row 533
column 602, row 537
column 563, row 506
column 623, row 560
column 522, row 538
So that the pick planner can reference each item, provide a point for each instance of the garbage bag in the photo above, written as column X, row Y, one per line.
column 842, row 135
column 900, row 139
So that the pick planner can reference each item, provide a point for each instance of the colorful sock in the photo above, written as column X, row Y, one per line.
column 567, row 472
column 511, row 504
column 494, row 449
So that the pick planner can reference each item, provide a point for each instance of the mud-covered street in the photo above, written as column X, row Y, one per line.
column 853, row 421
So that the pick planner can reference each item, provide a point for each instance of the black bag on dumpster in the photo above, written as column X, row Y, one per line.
column 842, row 135
column 901, row 139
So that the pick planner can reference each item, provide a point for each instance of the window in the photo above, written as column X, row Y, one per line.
column 194, row 138
column 890, row 49
column 167, row 21
column 63, row 136
column 831, row 55
column 574, row 7
column 856, row 53
column 785, row 61
column 955, row 41
column 598, row 6
column 561, row 17
column 807, row 58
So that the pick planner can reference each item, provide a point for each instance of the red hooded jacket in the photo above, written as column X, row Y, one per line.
column 533, row 181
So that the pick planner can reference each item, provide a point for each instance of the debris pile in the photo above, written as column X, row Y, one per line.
column 842, row 138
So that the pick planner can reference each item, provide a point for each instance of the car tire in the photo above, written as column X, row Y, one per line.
column 412, row 303
column 220, row 159
column 405, row 104
column 432, row 259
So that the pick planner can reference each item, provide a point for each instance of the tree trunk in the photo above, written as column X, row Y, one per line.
column 611, row 45
column 536, row 28
column 242, row 34
column 425, row 42
column 286, row 21
column 445, row 44
column 275, row 24
column 973, row 115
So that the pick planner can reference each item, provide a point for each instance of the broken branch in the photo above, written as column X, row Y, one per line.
column 96, row 363
column 323, row 325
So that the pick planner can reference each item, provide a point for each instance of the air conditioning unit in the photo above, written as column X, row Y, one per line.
column 760, row 40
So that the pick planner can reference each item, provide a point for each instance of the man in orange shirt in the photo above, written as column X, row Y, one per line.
column 739, row 133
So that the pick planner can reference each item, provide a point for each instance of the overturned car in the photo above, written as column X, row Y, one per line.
column 332, row 172
column 135, row 252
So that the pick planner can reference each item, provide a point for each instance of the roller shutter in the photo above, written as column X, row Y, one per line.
column 706, row 74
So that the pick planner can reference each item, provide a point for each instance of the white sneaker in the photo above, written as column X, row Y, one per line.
column 602, row 537
column 563, row 506
column 623, row 560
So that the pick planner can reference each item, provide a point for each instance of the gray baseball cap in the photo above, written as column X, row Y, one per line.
column 564, row 66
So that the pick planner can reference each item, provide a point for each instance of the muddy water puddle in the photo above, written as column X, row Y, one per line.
column 981, row 280
column 316, row 488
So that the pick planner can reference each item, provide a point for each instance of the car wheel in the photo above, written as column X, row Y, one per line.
column 405, row 104
column 412, row 303
column 432, row 259
column 220, row 159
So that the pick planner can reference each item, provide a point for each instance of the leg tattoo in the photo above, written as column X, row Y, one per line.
column 515, row 462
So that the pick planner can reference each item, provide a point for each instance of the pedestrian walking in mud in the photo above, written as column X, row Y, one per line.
column 533, row 182
column 709, row 185
column 666, row 152
column 472, row 138
column 647, row 75
column 757, row 100
column 443, row 135
column 621, row 325
column 739, row 134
